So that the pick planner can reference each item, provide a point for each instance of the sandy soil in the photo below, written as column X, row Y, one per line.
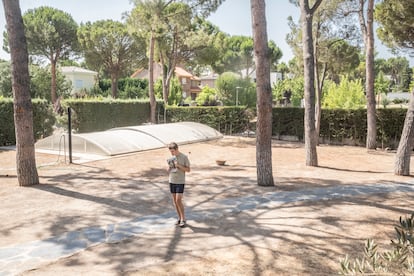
column 299, row 238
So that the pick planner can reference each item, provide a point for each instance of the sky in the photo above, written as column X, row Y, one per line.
column 232, row 17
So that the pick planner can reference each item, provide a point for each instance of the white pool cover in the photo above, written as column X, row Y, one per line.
column 130, row 139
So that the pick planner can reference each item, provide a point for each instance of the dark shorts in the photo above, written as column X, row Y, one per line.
column 176, row 188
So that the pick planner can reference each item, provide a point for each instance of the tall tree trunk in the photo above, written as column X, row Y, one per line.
column 318, row 108
column 405, row 147
column 114, row 85
column 53, row 85
column 309, row 72
column 23, row 110
column 165, row 86
column 168, row 68
column 320, row 78
column 153, row 102
column 264, row 95
column 167, row 81
column 318, row 93
column 368, row 34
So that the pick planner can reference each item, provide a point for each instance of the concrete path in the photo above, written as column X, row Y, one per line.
column 21, row 257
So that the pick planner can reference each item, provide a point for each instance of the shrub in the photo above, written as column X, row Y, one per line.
column 296, row 88
column 397, row 261
column 207, row 96
column 347, row 95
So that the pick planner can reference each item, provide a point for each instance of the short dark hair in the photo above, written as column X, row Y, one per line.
column 173, row 145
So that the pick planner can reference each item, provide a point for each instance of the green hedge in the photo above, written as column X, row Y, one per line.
column 43, row 119
column 225, row 119
column 288, row 121
column 93, row 115
column 7, row 134
column 339, row 126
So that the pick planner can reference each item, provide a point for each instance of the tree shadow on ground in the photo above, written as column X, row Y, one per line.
column 311, row 236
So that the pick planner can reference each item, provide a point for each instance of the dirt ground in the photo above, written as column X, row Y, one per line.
column 298, row 238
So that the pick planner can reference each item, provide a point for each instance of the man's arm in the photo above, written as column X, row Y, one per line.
column 183, row 168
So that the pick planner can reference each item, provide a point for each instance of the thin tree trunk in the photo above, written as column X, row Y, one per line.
column 168, row 69
column 318, row 107
column 53, row 85
column 319, row 85
column 309, row 67
column 264, row 95
column 405, row 147
column 318, row 90
column 153, row 102
column 114, row 85
column 368, row 34
column 23, row 110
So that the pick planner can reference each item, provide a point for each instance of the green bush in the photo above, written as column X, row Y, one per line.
column 397, row 261
column 128, row 88
column 231, row 89
column 207, row 97
column 294, row 86
column 43, row 120
column 175, row 96
column 348, row 94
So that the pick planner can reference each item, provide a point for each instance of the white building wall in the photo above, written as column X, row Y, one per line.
column 80, row 78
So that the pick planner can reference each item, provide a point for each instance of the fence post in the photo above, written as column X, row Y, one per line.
column 70, row 134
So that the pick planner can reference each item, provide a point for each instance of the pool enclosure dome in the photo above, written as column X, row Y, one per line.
column 130, row 139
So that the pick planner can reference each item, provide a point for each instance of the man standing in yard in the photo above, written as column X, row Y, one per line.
column 178, row 165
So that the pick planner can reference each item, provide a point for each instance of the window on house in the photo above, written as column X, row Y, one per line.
column 78, row 83
column 184, row 81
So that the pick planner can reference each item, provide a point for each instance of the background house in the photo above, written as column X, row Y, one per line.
column 209, row 80
column 274, row 76
column 80, row 78
column 190, row 83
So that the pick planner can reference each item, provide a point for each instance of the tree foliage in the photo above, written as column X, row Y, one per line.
column 163, row 21
column 107, row 44
column 51, row 35
column 40, row 79
column 231, row 88
column 339, row 58
column 396, row 21
column 382, row 84
column 398, row 68
column 208, row 54
column 175, row 96
column 237, row 55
